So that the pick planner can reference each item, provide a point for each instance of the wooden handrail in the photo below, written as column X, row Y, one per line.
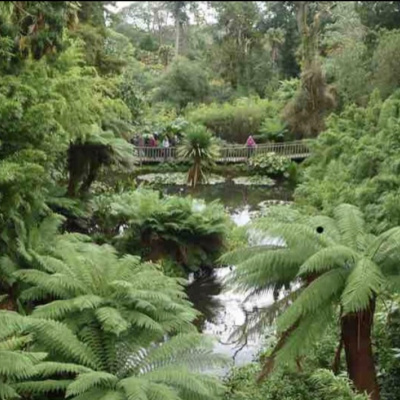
column 231, row 153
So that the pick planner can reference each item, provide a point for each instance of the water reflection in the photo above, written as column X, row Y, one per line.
column 234, row 197
column 223, row 310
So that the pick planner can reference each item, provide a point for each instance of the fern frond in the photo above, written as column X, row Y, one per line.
column 180, row 379
column 364, row 282
column 100, row 394
column 351, row 224
column 307, row 333
column 264, row 270
column 328, row 258
column 385, row 251
column 48, row 368
column 236, row 257
column 15, row 342
column 191, row 350
column 57, row 336
column 89, row 380
column 112, row 321
column 134, row 388
column 58, row 285
column 7, row 392
column 58, row 309
column 16, row 364
column 322, row 290
column 295, row 235
column 144, row 321
column 159, row 391
column 42, row 387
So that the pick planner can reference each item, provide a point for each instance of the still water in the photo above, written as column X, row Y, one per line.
column 224, row 310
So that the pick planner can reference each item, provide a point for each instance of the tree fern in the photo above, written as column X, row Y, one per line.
column 336, row 262
column 111, row 326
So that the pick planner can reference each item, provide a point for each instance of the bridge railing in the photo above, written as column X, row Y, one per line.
column 297, row 149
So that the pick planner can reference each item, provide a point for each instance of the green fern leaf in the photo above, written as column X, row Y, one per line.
column 364, row 283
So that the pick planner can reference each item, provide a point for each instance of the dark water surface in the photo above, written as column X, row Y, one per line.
column 234, row 197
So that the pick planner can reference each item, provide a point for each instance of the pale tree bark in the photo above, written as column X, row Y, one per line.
column 177, row 35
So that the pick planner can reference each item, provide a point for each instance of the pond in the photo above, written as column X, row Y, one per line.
column 223, row 311
column 234, row 197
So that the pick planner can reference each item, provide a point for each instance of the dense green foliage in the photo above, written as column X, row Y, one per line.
column 355, row 161
column 289, row 385
column 235, row 121
column 109, row 309
column 189, row 232
column 270, row 164
column 93, row 316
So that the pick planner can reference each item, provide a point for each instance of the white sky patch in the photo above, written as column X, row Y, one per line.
column 208, row 13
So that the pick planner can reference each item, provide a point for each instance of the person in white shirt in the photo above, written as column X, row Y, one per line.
column 165, row 145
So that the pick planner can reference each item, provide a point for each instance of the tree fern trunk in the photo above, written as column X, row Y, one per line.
column 356, row 330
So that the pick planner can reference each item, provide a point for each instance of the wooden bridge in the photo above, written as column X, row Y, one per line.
column 230, row 154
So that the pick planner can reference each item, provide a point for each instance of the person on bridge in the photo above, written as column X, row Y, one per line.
column 251, row 145
column 165, row 145
column 152, row 141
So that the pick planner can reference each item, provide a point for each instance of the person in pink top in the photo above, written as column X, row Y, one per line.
column 251, row 145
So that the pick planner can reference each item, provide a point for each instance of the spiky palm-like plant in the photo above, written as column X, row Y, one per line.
column 339, row 267
column 199, row 146
column 113, row 316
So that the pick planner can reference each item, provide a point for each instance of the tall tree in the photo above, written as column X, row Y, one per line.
column 379, row 14
column 306, row 113
column 282, row 15
column 179, row 13
column 236, row 39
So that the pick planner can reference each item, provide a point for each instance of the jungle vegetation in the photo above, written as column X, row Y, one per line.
column 93, row 268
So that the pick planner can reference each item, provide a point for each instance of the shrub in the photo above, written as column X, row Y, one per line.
column 235, row 121
column 289, row 385
column 270, row 164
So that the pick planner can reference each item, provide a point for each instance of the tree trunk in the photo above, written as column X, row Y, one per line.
column 356, row 331
column 177, row 35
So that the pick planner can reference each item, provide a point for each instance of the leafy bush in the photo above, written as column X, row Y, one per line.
column 235, row 121
column 270, row 164
column 288, row 385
